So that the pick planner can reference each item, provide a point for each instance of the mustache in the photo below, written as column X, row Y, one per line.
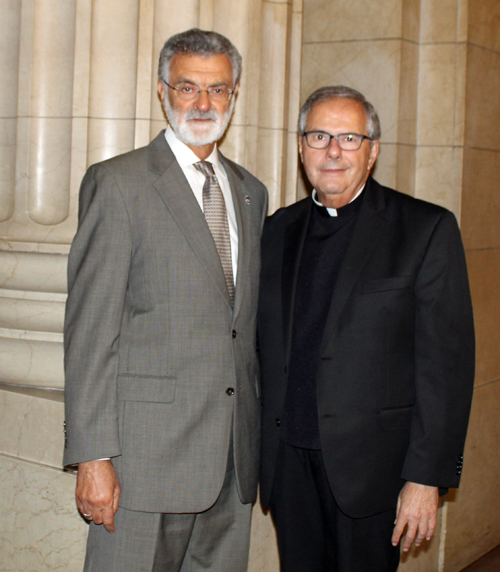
column 199, row 114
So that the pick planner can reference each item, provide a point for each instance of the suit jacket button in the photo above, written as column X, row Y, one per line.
column 234, row 334
column 229, row 391
column 278, row 422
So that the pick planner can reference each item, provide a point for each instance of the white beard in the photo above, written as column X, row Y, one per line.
column 197, row 135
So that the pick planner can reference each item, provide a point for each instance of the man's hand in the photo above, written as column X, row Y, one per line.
column 98, row 492
column 417, row 508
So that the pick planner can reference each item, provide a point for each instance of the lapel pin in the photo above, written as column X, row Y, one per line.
column 247, row 200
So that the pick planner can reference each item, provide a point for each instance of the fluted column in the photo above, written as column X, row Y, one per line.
column 169, row 18
column 113, row 78
column 10, row 27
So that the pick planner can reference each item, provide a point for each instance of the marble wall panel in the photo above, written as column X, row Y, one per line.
column 434, row 180
column 31, row 358
column 41, row 531
column 328, row 21
column 438, row 20
column 10, row 28
column 372, row 67
column 405, row 169
column 31, row 315
column 409, row 94
column 263, row 545
column 411, row 20
column 385, row 169
column 483, row 87
column 276, row 21
column 484, row 277
column 484, row 23
column 33, row 272
column 270, row 154
column 481, row 201
column 476, row 512
column 113, row 78
column 169, row 18
column 31, row 428
column 50, row 129
column 437, row 94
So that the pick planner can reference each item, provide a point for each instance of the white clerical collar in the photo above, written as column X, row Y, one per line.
column 186, row 156
column 333, row 212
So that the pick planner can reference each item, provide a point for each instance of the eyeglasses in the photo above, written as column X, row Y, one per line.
column 189, row 91
column 346, row 141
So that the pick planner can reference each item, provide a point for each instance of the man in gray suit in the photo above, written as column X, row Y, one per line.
column 162, row 410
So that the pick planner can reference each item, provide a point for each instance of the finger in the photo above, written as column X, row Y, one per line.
column 398, row 531
column 422, row 532
column 409, row 536
column 431, row 529
column 108, row 519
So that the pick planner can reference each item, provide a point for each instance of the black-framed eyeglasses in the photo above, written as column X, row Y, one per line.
column 346, row 141
column 189, row 91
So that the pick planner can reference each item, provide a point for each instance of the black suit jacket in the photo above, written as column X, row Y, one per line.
column 396, row 368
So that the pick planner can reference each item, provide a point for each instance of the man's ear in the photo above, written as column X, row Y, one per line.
column 161, row 90
column 236, row 88
column 374, row 151
column 301, row 137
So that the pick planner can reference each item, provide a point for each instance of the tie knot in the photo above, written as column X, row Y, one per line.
column 205, row 167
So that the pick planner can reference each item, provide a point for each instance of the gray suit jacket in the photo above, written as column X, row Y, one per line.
column 153, row 349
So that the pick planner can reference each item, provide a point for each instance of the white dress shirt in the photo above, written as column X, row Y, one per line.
column 186, row 159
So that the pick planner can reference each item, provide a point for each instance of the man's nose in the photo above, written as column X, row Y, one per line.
column 203, row 101
column 333, row 149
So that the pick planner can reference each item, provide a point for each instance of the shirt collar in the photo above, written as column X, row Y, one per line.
column 186, row 156
column 333, row 212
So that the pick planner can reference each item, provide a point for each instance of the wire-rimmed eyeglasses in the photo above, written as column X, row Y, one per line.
column 189, row 91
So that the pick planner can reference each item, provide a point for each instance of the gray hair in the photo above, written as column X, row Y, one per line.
column 198, row 42
column 336, row 91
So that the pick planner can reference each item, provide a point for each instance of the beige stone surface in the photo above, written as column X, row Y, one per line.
column 475, row 514
column 405, row 169
column 483, row 87
column 41, row 530
column 270, row 152
column 49, row 170
column 435, row 177
column 169, row 18
column 439, row 20
column 484, row 23
column 411, row 19
column 409, row 94
column 31, row 428
column 276, row 19
column 328, row 21
column 481, row 201
column 385, row 168
column 263, row 547
column 484, row 276
column 437, row 94
column 372, row 67
column 30, row 271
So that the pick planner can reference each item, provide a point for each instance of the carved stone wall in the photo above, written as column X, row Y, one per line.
column 79, row 85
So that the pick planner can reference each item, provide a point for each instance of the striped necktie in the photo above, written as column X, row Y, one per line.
column 214, row 208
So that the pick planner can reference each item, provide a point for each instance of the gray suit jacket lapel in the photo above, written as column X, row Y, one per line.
column 176, row 193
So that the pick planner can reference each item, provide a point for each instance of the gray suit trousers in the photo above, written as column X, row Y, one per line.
column 216, row 539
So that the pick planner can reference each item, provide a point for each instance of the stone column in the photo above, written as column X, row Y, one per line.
column 79, row 85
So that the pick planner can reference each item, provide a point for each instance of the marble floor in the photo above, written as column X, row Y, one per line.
column 488, row 563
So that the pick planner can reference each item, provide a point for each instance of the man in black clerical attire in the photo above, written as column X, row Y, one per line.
column 367, row 354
